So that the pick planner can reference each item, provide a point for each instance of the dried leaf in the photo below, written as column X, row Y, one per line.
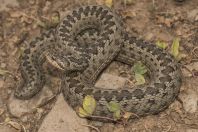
column 16, row 14
column 128, row 14
column 109, row 3
column 127, row 115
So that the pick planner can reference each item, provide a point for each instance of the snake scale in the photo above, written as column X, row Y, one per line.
column 85, row 42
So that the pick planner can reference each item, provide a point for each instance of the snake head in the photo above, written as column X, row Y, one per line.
column 65, row 63
column 57, row 62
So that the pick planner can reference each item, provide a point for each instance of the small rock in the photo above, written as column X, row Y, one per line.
column 164, row 36
column 19, row 107
column 47, row 6
column 190, row 100
column 32, row 2
column 3, row 54
column 110, row 81
column 62, row 118
column 149, row 36
column 6, row 128
column 193, row 14
column 189, row 95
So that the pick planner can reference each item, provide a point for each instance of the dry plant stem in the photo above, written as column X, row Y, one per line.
column 24, row 129
column 102, row 117
column 93, row 127
column 46, row 102
column 30, row 17
column 188, row 70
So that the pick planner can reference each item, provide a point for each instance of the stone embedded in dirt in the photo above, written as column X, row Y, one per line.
column 7, row 128
column 193, row 15
column 62, row 118
column 190, row 99
column 190, row 96
column 190, row 67
column 5, row 3
column 110, row 81
column 19, row 107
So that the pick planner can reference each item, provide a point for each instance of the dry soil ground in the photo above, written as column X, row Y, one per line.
column 152, row 20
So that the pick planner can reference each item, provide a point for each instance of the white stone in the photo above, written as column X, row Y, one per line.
column 110, row 81
column 19, row 107
column 62, row 118
column 7, row 128
column 190, row 99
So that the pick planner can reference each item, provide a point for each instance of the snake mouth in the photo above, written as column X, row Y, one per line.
column 53, row 61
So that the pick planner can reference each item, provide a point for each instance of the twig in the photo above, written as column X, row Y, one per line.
column 168, row 129
column 188, row 70
column 102, row 117
column 93, row 127
column 47, row 101
column 24, row 129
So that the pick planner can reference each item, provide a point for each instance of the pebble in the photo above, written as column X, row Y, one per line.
column 62, row 118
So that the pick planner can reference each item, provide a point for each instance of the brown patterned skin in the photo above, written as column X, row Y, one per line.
column 109, row 40
column 70, row 57
column 31, row 69
column 141, row 100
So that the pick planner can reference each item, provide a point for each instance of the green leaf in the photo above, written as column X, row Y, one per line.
column 175, row 47
column 139, row 79
column 82, row 112
column 89, row 104
column 55, row 19
column 117, row 114
column 113, row 106
column 161, row 44
column 139, row 68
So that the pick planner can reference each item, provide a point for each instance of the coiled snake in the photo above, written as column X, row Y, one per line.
column 82, row 63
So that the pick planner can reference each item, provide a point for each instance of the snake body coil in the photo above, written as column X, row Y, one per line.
column 82, row 63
